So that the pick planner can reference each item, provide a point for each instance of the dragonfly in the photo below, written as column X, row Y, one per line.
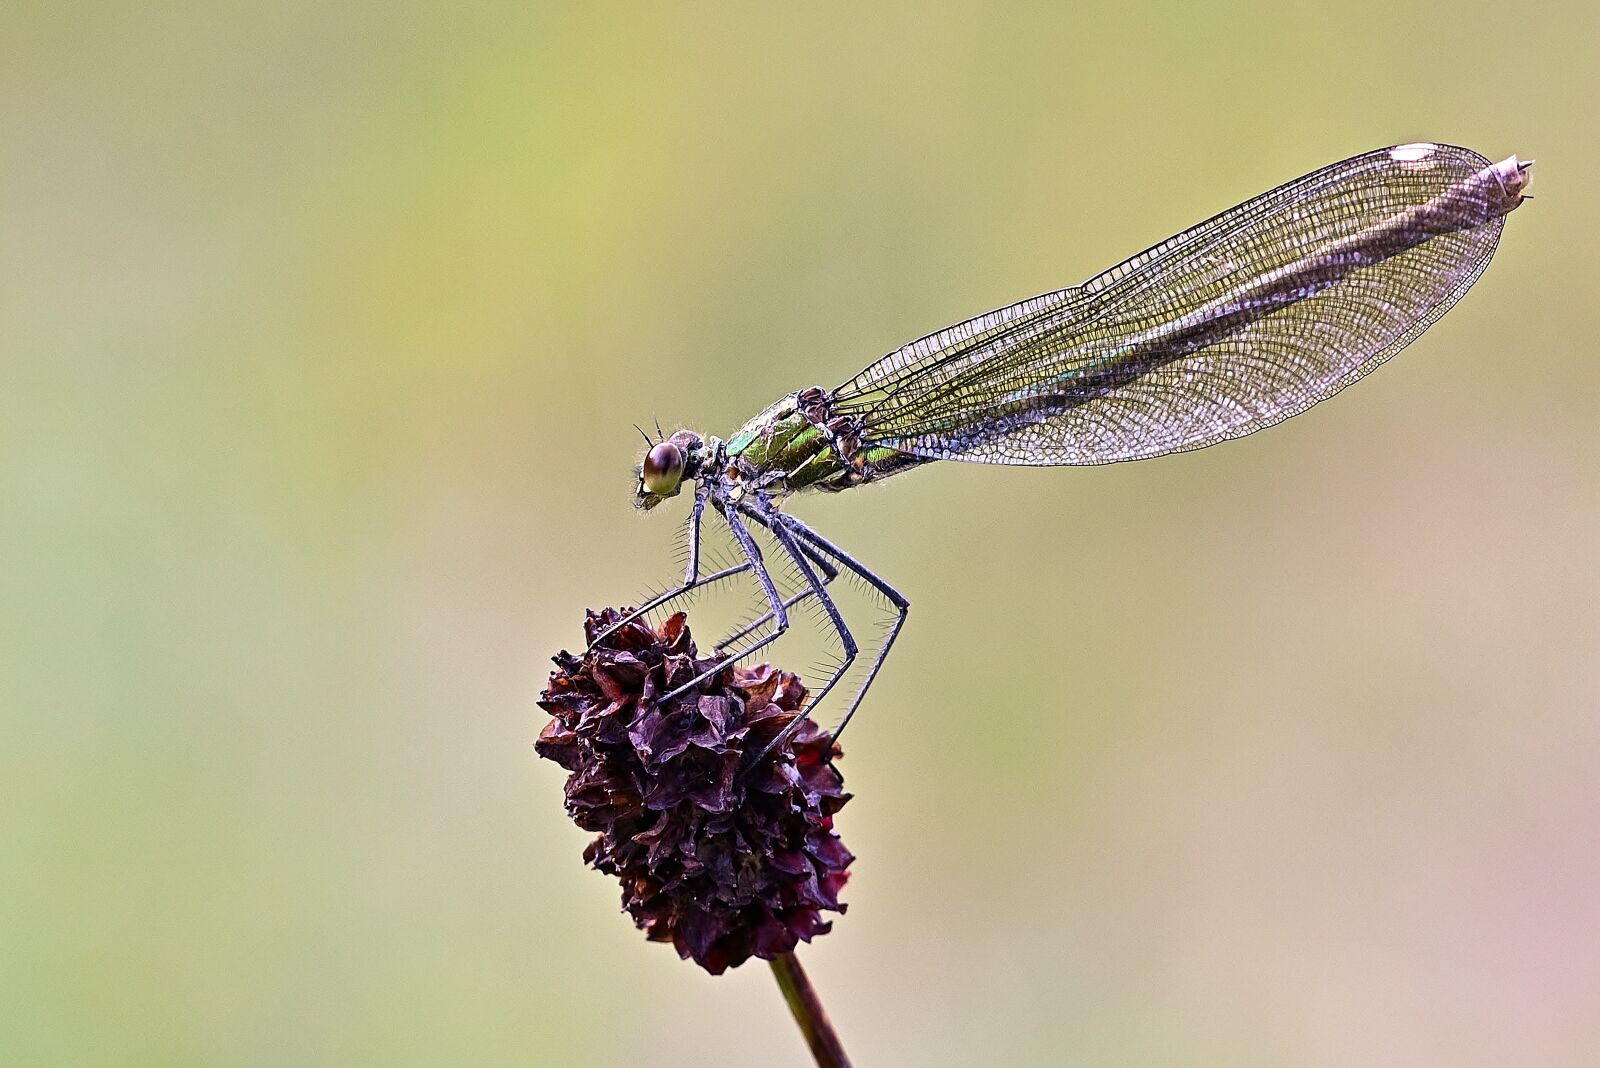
column 1233, row 325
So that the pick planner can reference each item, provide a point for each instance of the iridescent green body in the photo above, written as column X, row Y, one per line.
column 782, row 451
column 782, row 442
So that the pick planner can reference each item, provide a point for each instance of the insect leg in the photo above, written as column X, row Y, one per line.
column 901, row 606
column 822, row 564
column 691, row 579
column 692, row 571
column 780, row 615
column 773, row 521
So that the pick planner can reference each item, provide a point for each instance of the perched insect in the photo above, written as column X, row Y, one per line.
column 1246, row 319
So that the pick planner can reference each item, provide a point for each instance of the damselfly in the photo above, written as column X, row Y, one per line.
column 1238, row 323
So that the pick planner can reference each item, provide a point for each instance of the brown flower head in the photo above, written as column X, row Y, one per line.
column 723, row 860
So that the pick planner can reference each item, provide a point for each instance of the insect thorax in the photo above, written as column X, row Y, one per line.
column 800, row 444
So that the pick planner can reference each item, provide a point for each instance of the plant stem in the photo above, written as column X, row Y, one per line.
column 808, row 1012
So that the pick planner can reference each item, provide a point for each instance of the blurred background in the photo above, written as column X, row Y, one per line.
column 323, row 328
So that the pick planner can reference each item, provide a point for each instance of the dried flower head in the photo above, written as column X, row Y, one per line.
column 722, row 860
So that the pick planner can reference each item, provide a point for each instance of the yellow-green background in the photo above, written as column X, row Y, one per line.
column 322, row 328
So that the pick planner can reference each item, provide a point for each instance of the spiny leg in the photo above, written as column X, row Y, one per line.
column 691, row 577
column 691, row 571
column 804, row 557
column 773, row 521
column 670, row 595
column 829, row 573
column 901, row 606
column 780, row 615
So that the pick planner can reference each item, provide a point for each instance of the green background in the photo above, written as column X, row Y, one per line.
column 323, row 327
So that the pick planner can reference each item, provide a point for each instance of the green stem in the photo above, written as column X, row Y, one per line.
column 808, row 1012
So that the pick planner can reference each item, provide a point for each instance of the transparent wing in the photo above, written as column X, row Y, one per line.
column 1236, row 324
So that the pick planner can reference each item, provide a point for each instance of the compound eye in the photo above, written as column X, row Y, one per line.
column 662, row 469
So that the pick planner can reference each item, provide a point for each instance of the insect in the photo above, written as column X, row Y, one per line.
column 1236, row 324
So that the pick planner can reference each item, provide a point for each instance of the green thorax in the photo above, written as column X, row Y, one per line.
column 781, row 450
